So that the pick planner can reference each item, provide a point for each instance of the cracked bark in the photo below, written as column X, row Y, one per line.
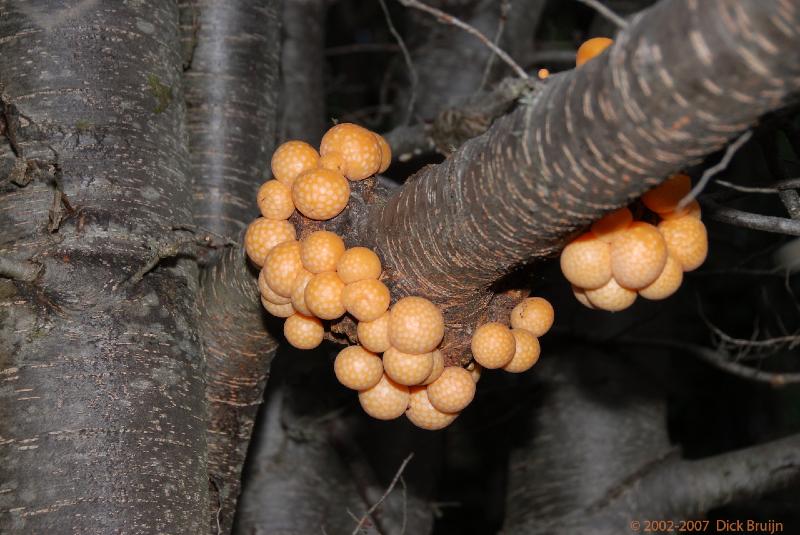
column 232, row 51
column 102, row 410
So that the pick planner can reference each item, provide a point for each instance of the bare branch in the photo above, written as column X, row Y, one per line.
column 412, row 72
column 505, row 7
column 453, row 21
column 389, row 490
column 606, row 12
column 714, row 169
column 732, row 216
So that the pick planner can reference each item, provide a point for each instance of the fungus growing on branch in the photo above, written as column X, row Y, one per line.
column 357, row 368
column 321, row 250
column 282, row 267
column 303, row 332
column 263, row 234
column 534, row 314
column 386, row 400
column 407, row 368
column 366, row 300
column 493, row 345
column 526, row 351
column 275, row 200
column 638, row 256
column 358, row 147
column 452, row 391
column 323, row 296
column 320, row 194
column 591, row 48
column 416, row 325
column 358, row 263
column 291, row 159
column 586, row 261
column 374, row 335
column 423, row 414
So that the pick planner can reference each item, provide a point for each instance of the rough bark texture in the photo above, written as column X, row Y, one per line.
column 232, row 82
column 586, row 142
column 231, row 104
column 102, row 413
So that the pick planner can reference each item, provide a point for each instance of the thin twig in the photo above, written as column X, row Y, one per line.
column 445, row 18
column 412, row 72
column 505, row 6
column 389, row 490
column 745, row 189
column 606, row 12
column 714, row 169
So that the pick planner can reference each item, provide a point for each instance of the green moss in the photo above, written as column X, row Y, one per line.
column 161, row 92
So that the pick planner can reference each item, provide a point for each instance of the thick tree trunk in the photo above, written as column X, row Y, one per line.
column 232, row 86
column 102, row 413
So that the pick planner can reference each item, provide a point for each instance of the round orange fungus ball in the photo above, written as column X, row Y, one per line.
column 268, row 293
column 591, row 48
column 667, row 283
column 291, row 159
column 416, row 325
column 357, row 264
column 452, row 391
column 438, row 367
column 303, row 332
column 275, row 200
column 357, row 368
column 320, row 194
column 423, row 414
column 282, row 267
column 386, row 153
column 323, row 296
column 611, row 297
column 263, row 234
column 366, row 300
column 406, row 368
column 386, row 400
column 493, row 345
column 533, row 314
column 526, row 352
column 666, row 196
column 321, row 250
column 279, row 311
column 586, row 261
column 374, row 335
column 687, row 240
column 299, row 292
column 358, row 146
column 638, row 256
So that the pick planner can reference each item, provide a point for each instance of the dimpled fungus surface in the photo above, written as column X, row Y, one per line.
column 526, row 353
column 291, row 159
column 438, row 367
column 416, row 325
column 358, row 146
column 423, row 414
column 687, row 241
column 358, row 263
column 586, row 261
column 591, row 48
column 263, row 234
column 321, row 250
column 303, row 332
column 386, row 153
column 333, row 161
column 611, row 225
column 279, row 311
column 386, row 400
column 282, row 267
column 667, row 283
column 358, row 368
column 638, row 256
column 374, row 335
column 268, row 293
column 366, row 300
column 406, row 368
column 533, row 314
column 275, row 200
column 453, row 390
column 320, row 194
column 299, row 292
column 611, row 297
column 666, row 196
column 323, row 296
column 492, row 345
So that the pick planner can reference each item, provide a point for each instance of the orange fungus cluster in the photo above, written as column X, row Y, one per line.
column 397, row 367
column 620, row 259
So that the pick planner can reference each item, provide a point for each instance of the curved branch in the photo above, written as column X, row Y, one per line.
column 740, row 218
column 586, row 143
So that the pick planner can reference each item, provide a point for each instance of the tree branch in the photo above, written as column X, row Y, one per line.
column 740, row 218
column 586, row 143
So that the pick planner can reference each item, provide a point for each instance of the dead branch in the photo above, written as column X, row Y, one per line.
column 740, row 218
column 606, row 12
column 412, row 72
column 389, row 490
column 709, row 173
